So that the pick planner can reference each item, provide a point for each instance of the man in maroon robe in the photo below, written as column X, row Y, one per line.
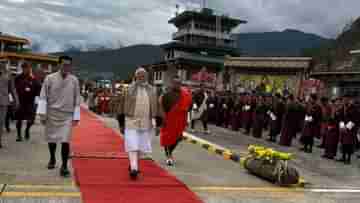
column 260, row 116
column 248, row 111
column 312, row 124
column 175, row 104
column 332, row 134
column 326, row 114
column 348, row 130
column 288, row 131
column 275, row 116
column 28, row 89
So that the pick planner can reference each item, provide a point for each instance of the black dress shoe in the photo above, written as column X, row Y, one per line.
column 133, row 174
column 19, row 139
column 51, row 165
column 64, row 172
column 347, row 162
column 27, row 137
column 340, row 160
column 320, row 146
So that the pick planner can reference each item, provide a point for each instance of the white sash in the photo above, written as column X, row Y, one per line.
column 198, row 113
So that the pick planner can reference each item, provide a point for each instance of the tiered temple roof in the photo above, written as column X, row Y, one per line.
column 13, row 39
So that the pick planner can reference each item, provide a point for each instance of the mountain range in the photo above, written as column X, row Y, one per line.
column 122, row 62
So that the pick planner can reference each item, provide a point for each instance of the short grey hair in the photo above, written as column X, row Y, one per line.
column 140, row 70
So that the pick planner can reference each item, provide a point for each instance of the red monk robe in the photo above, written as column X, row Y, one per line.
column 176, row 119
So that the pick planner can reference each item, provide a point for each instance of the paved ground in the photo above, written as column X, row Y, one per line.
column 25, row 178
column 23, row 173
column 223, row 181
column 318, row 171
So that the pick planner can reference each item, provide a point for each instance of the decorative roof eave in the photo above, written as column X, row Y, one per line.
column 272, row 58
column 13, row 39
column 269, row 62
column 30, row 56
column 186, row 15
column 335, row 73
column 175, row 44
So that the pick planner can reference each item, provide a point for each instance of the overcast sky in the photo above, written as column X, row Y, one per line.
column 56, row 23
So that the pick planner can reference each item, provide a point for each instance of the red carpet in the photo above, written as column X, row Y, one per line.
column 101, row 170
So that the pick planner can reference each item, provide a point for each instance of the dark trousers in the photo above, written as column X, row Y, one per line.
column 273, row 134
column 248, row 127
column 193, row 122
column 170, row 149
column 347, row 151
column 9, row 117
column 308, row 143
column 65, row 152
column 121, row 120
column 19, row 123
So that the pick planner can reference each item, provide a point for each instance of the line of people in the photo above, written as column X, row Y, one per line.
column 334, row 122
column 19, row 93
column 56, row 100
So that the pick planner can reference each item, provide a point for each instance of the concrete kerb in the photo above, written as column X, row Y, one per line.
column 227, row 154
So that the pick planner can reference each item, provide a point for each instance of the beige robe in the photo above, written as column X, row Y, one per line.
column 60, row 102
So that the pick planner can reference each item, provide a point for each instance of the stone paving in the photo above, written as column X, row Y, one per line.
column 318, row 171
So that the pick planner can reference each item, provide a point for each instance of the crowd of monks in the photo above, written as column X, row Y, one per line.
column 283, row 119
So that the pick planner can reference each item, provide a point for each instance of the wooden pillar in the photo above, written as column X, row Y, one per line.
column 2, row 47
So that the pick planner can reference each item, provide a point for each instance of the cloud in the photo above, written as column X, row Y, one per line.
column 57, row 23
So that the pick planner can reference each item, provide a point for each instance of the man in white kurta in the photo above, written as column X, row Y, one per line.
column 140, row 109
column 59, row 110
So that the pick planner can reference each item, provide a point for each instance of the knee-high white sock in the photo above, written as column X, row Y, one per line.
column 133, row 157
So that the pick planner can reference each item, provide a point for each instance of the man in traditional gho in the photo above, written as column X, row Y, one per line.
column 326, row 114
column 276, row 117
column 268, row 101
column 175, row 104
column 6, row 87
column 212, row 105
column 140, row 109
column 59, row 110
column 288, row 131
column 240, row 107
column 333, row 129
column 348, row 129
column 248, row 110
column 28, row 89
column 10, row 113
column 221, row 110
column 312, row 124
column 235, row 115
column 230, row 105
column 259, row 120
column 199, row 110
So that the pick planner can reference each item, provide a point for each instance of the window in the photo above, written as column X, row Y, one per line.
column 158, row 75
